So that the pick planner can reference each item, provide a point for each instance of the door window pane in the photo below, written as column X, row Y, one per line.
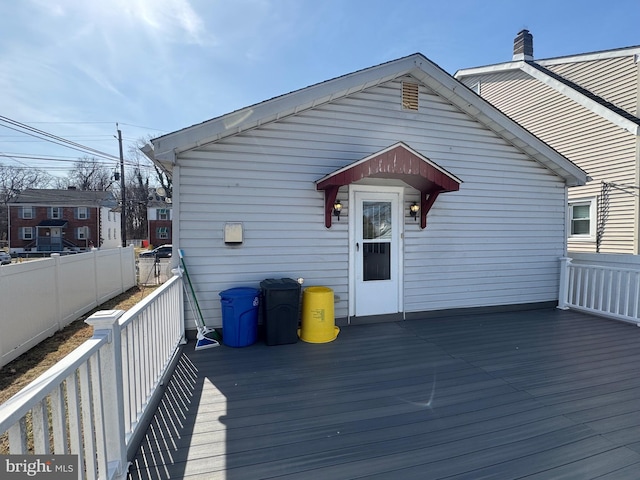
column 376, row 235
column 376, row 220
column 376, row 261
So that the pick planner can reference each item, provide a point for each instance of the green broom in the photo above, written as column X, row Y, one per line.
column 207, row 336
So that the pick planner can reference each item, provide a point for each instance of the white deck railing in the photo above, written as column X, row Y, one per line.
column 602, row 289
column 93, row 403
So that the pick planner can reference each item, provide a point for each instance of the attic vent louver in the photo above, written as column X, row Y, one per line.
column 409, row 96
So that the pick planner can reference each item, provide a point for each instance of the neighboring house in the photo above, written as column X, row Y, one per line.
column 444, row 202
column 586, row 107
column 48, row 220
column 159, row 222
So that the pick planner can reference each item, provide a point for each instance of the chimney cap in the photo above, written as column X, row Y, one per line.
column 523, row 46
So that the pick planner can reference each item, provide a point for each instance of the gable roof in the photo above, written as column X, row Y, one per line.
column 62, row 198
column 166, row 149
column 589, row 100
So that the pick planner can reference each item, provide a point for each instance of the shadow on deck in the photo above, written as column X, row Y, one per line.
column 539, row 393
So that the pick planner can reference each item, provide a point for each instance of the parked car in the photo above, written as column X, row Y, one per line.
column 5, row 258
column 163, row 251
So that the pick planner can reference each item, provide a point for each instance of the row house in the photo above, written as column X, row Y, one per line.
column 52, row 220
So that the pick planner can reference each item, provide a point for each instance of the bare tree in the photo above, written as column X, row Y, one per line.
column 140, row 185
column 161, row 178
column 12, row 181
column 89, row 173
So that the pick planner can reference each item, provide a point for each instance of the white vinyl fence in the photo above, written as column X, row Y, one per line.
column 152, row 271
column 40, row 297
column 94, row 403
column 602, row 284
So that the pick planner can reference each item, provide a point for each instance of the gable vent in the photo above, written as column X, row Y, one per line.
column 410, row 96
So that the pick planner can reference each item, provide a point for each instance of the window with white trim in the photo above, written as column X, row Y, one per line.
column 82, row 233
column 162, row 233
column 27, row 233
column 582, row 219
column 82, row 213
column 27, row 213
column 162, row 214
column 55, row 213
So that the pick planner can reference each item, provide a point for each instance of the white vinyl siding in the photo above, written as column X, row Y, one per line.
column 477, row 246
column 605, row 151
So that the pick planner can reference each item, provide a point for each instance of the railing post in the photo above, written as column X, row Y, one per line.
column 563, row 294
column 105, row 322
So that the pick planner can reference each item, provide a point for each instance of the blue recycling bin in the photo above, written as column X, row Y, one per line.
column 239, row 316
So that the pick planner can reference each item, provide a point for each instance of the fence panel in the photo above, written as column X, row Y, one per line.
column 46, row 295
column 95, row 401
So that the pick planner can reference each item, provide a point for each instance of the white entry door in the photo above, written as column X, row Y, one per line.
column 377, row 253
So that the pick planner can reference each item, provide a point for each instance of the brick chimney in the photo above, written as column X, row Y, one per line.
column 523, row 46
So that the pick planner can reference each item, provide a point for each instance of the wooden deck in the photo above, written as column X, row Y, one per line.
column 541, row 394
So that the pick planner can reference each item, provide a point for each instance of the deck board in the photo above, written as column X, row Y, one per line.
column 537, row 394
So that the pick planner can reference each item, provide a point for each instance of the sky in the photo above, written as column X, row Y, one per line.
column 77, row 68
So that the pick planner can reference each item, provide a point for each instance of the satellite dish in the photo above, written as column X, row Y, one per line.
column 168, row 200
column 161, row 191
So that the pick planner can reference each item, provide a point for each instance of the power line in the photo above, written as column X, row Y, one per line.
column 34, row 132
column 72, row 160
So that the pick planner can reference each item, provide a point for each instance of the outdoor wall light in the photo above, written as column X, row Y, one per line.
column 414, row 209
column 337, row 208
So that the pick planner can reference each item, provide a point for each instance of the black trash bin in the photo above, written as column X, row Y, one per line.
column 281, row 310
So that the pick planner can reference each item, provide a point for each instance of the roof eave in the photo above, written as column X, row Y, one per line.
column 171, row 145
column 556, row 85
column 509, row 130
column 166, row 148
column 581, row 99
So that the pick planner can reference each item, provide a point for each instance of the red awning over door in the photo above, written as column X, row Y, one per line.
column 399, row 162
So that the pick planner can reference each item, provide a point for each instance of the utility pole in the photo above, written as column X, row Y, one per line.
column 123, row 216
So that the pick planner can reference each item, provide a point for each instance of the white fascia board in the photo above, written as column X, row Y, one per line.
column 169, row 146
column 581, row 99
column 590, row 57
column 497, row 68
column 510, row 131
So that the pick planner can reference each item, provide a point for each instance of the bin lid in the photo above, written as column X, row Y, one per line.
column 240, row 292
column 279, row 284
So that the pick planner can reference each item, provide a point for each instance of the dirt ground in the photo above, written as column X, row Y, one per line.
column 20, row 372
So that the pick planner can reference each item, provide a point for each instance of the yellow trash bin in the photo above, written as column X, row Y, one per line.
column 318, row 318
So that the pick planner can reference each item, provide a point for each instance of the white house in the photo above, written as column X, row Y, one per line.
column 255, row 190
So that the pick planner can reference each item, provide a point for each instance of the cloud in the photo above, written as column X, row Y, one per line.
column 174, row 20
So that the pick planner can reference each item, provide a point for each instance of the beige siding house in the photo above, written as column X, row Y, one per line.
column 381, row 142
column 586, row 107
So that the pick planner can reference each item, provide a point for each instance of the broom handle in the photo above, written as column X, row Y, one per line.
column 193, row 293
